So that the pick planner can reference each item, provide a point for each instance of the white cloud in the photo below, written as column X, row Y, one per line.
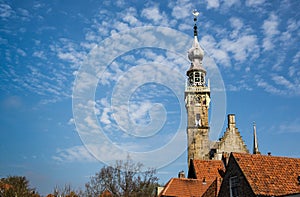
column 270, row 30
column 266, row 86
column 24, row 14
column 296, row 58
column 241, row 48
column 71, row 121
column 281, row 80
column 74, row 154
column 39, row 54
column 254, row 3
column 6, row 11
column 279, row 85
column 220, row 55
column 21, row 52
column 237, row 24
column 212, row 4
column 230, row 3
column 289, row 127
column 104, row 111
column 181, row 9
column 153, row 13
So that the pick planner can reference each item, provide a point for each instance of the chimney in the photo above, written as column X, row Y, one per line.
column 181, row 174
column 204, row 181
column 231, row 121
column 269, row 153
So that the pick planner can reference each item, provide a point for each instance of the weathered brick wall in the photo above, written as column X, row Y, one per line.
column 211, row 191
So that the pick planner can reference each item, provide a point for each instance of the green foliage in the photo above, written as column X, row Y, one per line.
column 16, row 186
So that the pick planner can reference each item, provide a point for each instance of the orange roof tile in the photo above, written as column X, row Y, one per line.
column 269, row 175
column 208, row 169
column 5, row 186
column 106, row 193
column 185, row 187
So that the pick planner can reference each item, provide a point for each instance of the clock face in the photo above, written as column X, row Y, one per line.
column 198, row 98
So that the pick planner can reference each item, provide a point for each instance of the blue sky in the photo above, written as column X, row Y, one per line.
column 105, row 67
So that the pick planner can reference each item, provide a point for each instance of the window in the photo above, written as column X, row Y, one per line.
column 202, row 78
column 234, row 186
column 197, row 77
column 198, row 120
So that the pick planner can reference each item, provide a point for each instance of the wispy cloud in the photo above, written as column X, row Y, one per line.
column 6, row 11
column 289, row 126
column 254, row 3
column 270, row 30
column 212, row 4
column 181, row 9
column 73, row 154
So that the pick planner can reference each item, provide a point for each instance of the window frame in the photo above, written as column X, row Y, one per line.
column 234, row 186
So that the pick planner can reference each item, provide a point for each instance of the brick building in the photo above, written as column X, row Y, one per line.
column 261, row 175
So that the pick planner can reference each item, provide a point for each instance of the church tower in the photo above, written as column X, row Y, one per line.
column 197, row 99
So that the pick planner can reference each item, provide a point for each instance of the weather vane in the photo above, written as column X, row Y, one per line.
column 195, row 13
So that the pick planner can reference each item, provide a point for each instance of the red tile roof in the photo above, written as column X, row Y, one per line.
column 208, row 169
column 185, row 187
column 202, row 176
column 269, row 175
column 106, row 193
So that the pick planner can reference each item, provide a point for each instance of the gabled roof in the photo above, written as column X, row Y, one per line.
column 269, row 175
column 106, row 193
column 206, row 169
column 185, row 187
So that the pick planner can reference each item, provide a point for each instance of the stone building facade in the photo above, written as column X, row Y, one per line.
column 230, row 142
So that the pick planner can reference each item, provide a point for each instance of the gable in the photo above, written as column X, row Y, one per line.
column 184, row 187
column 269, row 175
column 206, row 169
column 232, row 141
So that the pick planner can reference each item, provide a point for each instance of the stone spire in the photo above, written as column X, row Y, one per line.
column 255, row 142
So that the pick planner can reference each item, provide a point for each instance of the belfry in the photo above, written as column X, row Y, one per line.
column 197, row 103
column 197, row 99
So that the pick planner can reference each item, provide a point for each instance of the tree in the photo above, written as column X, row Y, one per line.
column 16, row 186
column 66, row 191
column 125, row 178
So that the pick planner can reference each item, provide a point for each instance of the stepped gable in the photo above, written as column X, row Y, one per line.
column 231, row 141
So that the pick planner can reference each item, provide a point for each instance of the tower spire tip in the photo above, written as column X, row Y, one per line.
column 195, row 13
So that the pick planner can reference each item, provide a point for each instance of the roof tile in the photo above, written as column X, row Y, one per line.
column 185, row 187
column 270, row 175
